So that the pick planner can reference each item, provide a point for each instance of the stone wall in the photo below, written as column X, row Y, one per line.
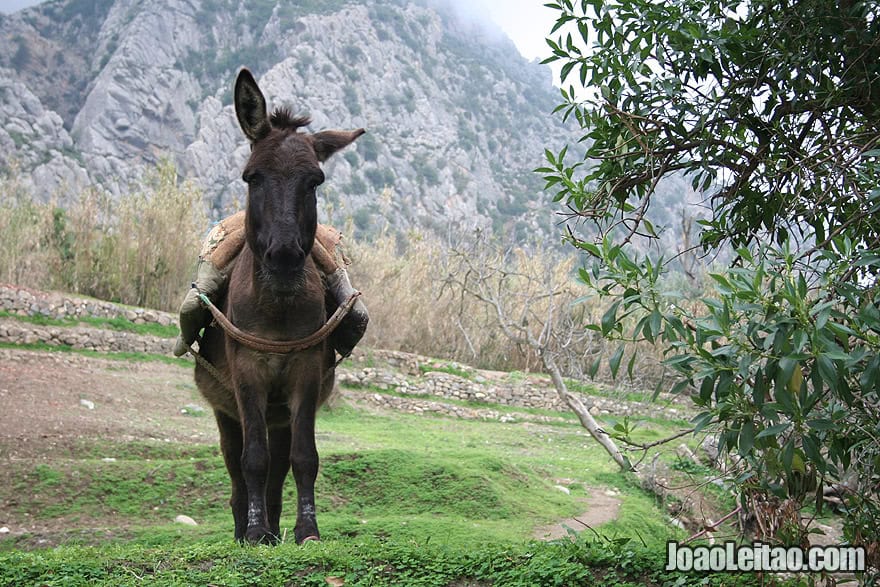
column 411, row 375
column 27, row 302
column 416, row 384
column 93, row 339
column 413, row 405
column 24, row 302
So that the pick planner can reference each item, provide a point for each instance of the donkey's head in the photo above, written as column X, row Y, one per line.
column 282, row 174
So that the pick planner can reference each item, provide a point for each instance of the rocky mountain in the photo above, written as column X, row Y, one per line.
column 93, row 91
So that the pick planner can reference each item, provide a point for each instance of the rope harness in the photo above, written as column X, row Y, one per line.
column 265, row 345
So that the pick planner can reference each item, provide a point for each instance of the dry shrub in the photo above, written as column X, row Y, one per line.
column 415, row 307
column 27, row 256
column 148, row 257
column 139, row 249
column 409, row 310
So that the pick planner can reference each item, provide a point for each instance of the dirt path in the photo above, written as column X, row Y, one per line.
column 601, row 509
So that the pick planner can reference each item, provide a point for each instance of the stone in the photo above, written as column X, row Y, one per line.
column 185, row 520
column 88, row 404
column 193, row 410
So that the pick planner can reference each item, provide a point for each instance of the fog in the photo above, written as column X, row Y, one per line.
column 525, row 22
column 8, row 6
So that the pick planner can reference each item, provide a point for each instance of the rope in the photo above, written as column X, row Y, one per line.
column 210, row 368
column 270, row 346
column 280, row 347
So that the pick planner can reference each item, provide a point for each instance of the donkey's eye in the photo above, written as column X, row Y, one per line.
column 253, row 179
column 316, row 180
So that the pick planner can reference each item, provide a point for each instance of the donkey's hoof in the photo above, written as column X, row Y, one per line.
column 260, row 536
column 306, row 532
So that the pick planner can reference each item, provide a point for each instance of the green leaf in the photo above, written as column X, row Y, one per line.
column 614, row 362
column 821, row 424
column 609, row 319
column 706, row 388
column 774, row 430
column 680, row 386
column 594, row 368
column 788, row 455
column 811, row 450
column 701, row 420
column 746, row 438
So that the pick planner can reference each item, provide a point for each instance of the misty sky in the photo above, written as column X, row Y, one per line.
column 526, row 22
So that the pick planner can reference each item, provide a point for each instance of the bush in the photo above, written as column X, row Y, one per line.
column 411, row 309
column 27, row 252
column 140, row 249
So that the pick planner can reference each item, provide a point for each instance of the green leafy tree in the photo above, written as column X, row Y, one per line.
column 770, row 109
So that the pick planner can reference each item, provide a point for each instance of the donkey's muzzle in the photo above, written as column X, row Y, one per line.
column 284, row 262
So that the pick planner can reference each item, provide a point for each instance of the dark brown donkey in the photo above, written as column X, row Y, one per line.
column 266, row 408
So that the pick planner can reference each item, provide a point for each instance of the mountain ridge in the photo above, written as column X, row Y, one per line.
column 456, row 118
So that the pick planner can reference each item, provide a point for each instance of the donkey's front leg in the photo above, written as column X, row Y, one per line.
column 255, row 461
column 304, row 459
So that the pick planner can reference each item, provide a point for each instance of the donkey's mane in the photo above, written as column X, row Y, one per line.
column 282, row 118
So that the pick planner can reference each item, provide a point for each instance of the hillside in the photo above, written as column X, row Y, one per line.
column 432, row 473
column 456, row 118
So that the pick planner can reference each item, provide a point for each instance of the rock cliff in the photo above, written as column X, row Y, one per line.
column 94, row 91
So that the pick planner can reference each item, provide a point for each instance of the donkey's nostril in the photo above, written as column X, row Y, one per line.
column 284, row 259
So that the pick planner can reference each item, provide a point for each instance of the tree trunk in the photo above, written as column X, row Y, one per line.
column 586, row 418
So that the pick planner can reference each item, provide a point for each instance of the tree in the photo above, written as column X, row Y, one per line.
column 769, row 109
column 532, row 306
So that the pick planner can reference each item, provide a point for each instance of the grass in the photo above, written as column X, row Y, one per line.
column 445, row 368
column 402, row 500
column 568, row 416
column 405, row 475
column 354, row 563
column 118, row 323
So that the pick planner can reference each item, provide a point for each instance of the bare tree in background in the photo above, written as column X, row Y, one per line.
column 534, row 308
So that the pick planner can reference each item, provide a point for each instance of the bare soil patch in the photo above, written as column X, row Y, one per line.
column 601, row 509
column 43, row 414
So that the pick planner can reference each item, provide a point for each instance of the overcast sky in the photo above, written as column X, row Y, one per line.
column 526, row 22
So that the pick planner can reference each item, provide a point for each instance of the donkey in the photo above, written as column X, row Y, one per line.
column 265, row 408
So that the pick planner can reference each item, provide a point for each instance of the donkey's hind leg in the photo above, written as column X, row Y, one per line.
column 279, row 466
column 231, row 446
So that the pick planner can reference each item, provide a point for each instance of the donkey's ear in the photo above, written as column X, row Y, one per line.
column 329, row 141
column 250, row 107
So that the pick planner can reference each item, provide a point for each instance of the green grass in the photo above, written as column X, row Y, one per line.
column 643, row 422
column 118, row 323
column 402, row 500
column 381, row 476
column 445, row 368
column 361, row 562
